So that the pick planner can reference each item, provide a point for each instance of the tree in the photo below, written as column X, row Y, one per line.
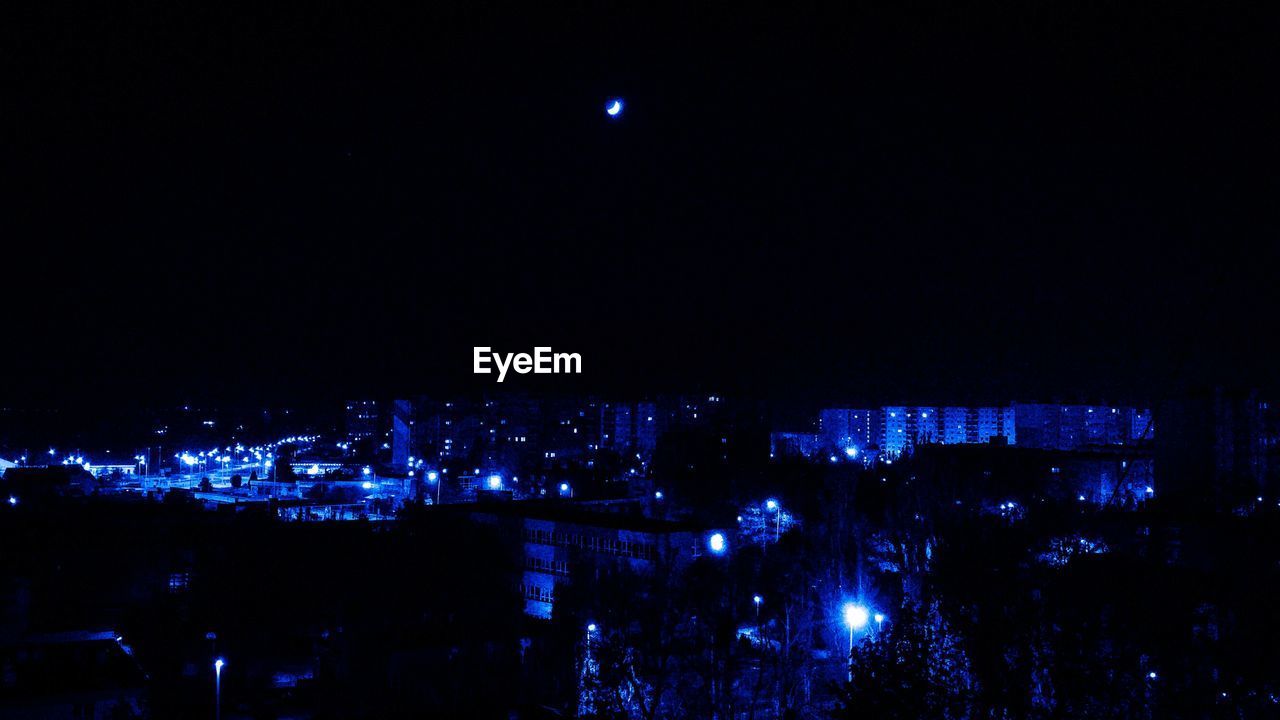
column 916, row 669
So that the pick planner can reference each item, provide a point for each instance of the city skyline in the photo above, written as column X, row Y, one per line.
column 639, row 361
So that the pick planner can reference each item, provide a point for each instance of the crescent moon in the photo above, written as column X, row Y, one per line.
column 614, row 108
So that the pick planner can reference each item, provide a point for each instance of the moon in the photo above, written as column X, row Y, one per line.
column 614, row 107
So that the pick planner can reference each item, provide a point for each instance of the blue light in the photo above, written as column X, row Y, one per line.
column 495, row 482
column 851, row 452
column 366, row 471
column 13, row 500
column 432, row 476
column 855, row 616
column 591, row 627
column 757, row 599
column 613, row 108
column 217, row 664
column 657, row 495
column 564, row 487
column 717, row 544
column 367, row 485
column 771, row 505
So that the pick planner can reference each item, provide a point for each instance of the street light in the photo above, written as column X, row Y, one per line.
column 217, row 688
column 855, row 616
column 717, row 544
column 758, row 601
column 773, row 507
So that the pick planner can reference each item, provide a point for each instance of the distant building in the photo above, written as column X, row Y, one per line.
column 907, row 427
column 1212, row 450
column 363, row 420
column 632, row 427
column 1071, row 427
column 842, row 428
column 402, row 422
column 25, row 484
column 559, row 544
column 795, row 445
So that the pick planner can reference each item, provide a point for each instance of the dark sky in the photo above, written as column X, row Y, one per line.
column 1003, row 201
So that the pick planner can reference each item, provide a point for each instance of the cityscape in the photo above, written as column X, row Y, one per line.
column 648, row 558
column 639, row 361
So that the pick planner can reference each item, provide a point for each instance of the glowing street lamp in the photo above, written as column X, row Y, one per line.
column 717, row 544
column 217, row 688
column 772, row 506
column 758, row 601
column 856, row 617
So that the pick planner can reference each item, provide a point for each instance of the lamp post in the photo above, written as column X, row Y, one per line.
column 217, row 688
column 772, row 506
column 855, row 616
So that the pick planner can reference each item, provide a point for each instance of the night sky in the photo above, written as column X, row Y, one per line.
column 1013, row 201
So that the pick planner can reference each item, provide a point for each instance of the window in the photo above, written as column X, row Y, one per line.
column 179, row 581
